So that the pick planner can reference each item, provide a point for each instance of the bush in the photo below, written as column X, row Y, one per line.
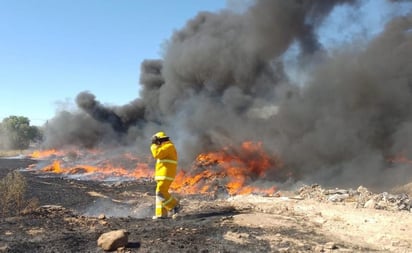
column 12, row 190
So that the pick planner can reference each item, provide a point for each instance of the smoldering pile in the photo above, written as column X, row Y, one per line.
column 227, row 77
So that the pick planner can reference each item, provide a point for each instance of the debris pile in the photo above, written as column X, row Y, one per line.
column 361, row 196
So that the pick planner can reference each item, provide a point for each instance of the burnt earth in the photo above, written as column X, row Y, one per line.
column 67, row 220
column 59, row 226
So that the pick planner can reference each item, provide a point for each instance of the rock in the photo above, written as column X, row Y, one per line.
column 338, row 197
column 331, row 245
column 370, row 204
column 113, row 240
column 101, row 216
column 318, row 248
column 118, row 184
column 399, row 243
column 237, row 237
column 362, row 189
column 284, row 250
column 384, row 205
column 51, row 207
column 336, row 191
column 4, row 248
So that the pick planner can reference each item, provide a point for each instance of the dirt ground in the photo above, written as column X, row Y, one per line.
column 67, row 221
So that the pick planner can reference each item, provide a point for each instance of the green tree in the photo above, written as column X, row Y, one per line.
column 17, row 132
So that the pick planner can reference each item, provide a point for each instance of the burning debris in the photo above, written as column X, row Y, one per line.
column 215, row 173
column 230, row 173
column 223, row 174
column 93, row 165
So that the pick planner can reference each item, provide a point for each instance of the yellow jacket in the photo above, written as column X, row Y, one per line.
column 166, row 163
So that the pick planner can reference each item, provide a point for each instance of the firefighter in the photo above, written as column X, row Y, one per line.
column 164, row 151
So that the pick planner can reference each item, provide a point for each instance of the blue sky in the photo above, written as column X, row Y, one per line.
column 51, row 50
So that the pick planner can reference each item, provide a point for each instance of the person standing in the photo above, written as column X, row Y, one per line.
column 164, row 151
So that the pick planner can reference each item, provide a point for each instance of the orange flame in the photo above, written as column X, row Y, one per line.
column 233, row 170
column 90, row 163
column 46, row 153
column 238, row 170
column 99, row 172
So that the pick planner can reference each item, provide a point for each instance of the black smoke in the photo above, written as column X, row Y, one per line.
column 223, row 80
column 87, row 102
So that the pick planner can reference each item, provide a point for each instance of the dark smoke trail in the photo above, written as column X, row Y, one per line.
column 87, row 102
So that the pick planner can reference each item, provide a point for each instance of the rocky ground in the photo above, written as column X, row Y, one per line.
column 69, row 218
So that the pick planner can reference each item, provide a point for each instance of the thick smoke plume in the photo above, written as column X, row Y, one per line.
column 223, row 80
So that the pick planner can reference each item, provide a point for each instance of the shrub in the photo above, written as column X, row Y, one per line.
column 12, row 191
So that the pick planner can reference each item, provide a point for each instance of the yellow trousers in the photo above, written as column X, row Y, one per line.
column 164, row 200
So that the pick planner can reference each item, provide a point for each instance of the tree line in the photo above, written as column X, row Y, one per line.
column 17, row 133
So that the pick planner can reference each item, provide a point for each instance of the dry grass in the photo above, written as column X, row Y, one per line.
column 12, row 191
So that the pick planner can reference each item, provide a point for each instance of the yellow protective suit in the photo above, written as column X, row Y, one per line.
column 165, row 172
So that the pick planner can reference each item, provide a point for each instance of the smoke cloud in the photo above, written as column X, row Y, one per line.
column 223, row 80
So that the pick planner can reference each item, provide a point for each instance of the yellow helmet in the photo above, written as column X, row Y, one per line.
column 159, row 137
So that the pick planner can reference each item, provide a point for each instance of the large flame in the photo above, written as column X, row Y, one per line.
column 238, row 169
column 233, row 171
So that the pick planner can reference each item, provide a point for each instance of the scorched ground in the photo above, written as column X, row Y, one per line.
column 67, row 220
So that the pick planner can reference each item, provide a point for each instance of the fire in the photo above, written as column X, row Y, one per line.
column 237, row 170
column 99, row 172
column 38, row 154
column 54, row 167
column 233, row 170
column 89, row 164
column 400, row 159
